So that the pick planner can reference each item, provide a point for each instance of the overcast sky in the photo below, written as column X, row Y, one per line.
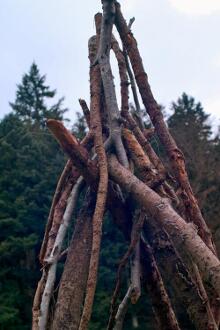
column 179, row 41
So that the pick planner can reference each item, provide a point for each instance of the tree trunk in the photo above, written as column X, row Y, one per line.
column 74, row 279
column 183, row 234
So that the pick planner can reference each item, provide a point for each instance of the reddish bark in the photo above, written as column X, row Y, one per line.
column 96, row 127
column 182, row 234
column 175, row 155
column 161, row 304
column 142, row 139
column 70, row 172
column 177, row 276
column 74, row 150
column 137, row 226
column 57, row 218
column 60, row 185
column 103, row 59
column 74, row 278
column 86, row 111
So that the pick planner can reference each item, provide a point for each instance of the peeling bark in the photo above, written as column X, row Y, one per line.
column 122, row 65
column 52, row 259
column 135, row 236
column 175, row 274
column 161, row 304
column 74, row 150
column 175, row 155
column 186, row 254
column 96, row 126
column 122, row 309
column 66, row 172
column 136, row 274
column 107, row 79
column 74, row 278
column 183, row 235
column 85, row 110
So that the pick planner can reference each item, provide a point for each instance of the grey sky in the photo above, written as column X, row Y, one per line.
column 178, row 40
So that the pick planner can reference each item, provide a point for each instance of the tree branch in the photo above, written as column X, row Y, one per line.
column 184, row 235
column 122, row 309
column 114, row 120
column 55, row 253
column 175, row 155
column 96, row 126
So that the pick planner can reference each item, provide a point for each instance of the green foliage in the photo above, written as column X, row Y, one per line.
column 30, row 164
column 190, row 127
column 32, row 96
column 113, row 249
column 79, row 128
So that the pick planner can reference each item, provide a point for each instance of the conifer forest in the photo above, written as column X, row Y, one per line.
column 113, row 221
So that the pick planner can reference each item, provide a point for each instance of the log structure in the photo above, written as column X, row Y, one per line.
column 169, row 242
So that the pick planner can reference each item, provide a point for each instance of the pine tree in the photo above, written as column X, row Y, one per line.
column 189, row 126
column 30, row 163
column 32, row 98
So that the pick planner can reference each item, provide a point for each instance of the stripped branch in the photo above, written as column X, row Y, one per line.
column 136, row 232
column 136, row 274
column 122, row 309
column 59, row 188
column 55, row 253
column 103, row 54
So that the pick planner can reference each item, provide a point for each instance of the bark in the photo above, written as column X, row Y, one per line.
column 61, row 182
column 122, row 65
column 141, row 161
column 134, row 91
column 37, row 301
column 122, row 309
column 115, row 200
column 52, row 259
column 58, row 213
column 145, row 169
column 74, row 150
column 136, row 274
column 135, row 236
column 122, row 74
column 74, row 278
column 183, row 235
column 163, row 310
column 175, row 155
column 147, row 176
column 96, row 127
column 86, row 111
column 176, row 275
column 57, row 218
column 68, row 178
column 212, row 324
column 107, row 79
column 69, row 172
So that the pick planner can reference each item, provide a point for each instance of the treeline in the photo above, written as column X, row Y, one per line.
column 31, row 162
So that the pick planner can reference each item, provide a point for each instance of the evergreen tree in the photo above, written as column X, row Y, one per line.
column 30, row 164
column 79, row 128
column 32, row 98
column 193, row 134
